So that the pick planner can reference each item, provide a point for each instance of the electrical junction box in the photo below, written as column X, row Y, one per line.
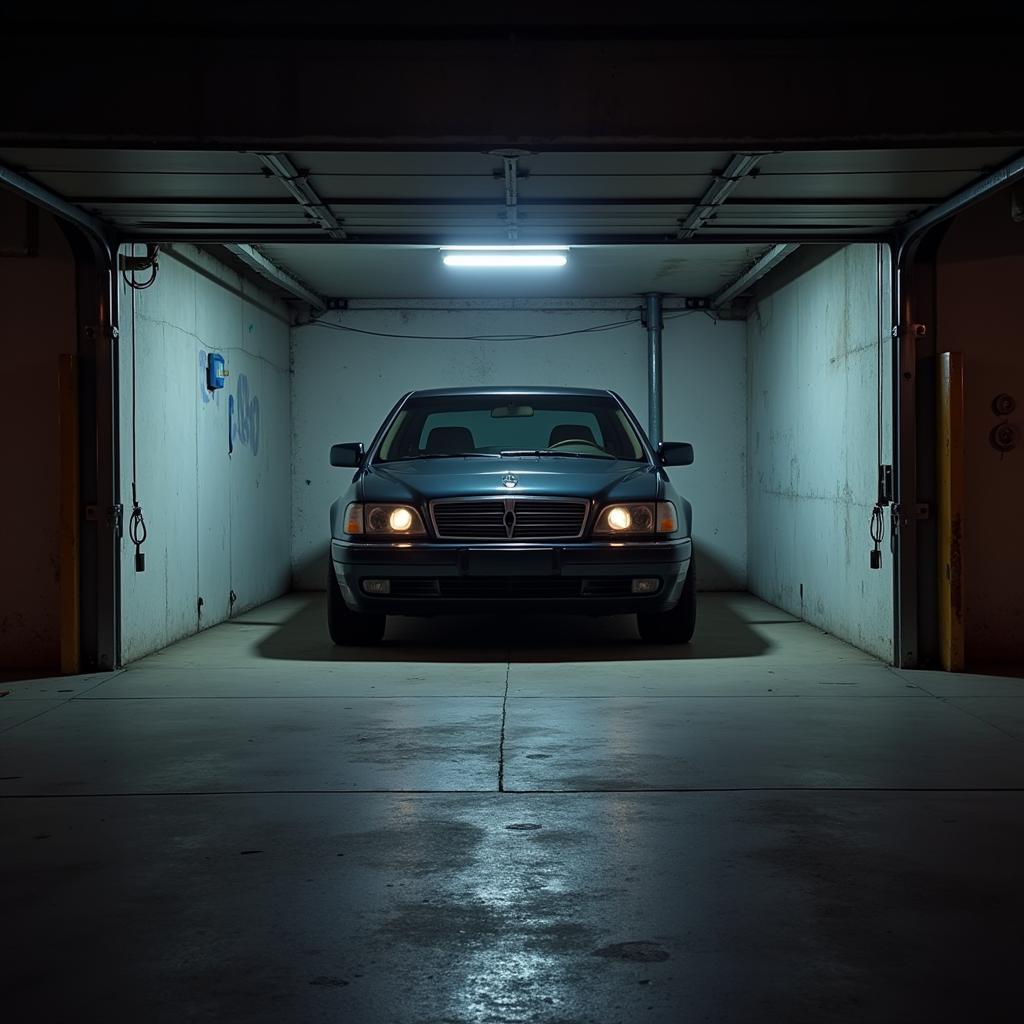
column 215, row 371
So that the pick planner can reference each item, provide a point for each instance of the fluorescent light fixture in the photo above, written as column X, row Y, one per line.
column 505, row 255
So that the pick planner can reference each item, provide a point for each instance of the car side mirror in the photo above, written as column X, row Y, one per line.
column 675, row 453
column 350, row 454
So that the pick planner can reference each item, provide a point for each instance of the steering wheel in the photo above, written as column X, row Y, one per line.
column 574, row 440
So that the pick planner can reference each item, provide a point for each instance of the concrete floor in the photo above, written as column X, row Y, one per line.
column 546, row 822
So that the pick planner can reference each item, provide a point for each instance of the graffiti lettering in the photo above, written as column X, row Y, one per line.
column 244, row 414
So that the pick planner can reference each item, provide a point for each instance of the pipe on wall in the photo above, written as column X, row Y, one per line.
column 653, row 322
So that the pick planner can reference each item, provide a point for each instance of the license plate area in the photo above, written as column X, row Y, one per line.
column 542, row 562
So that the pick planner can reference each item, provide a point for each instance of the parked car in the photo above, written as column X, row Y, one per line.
column 511, row 498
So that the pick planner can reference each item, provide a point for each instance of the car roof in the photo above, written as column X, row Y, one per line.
column 500, row 392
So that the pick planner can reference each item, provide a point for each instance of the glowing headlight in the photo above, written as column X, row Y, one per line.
column 619, row 518
column 383, row 519
column 646, row 518
column 400, row 519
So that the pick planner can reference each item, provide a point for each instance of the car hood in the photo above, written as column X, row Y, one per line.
column 428, row 479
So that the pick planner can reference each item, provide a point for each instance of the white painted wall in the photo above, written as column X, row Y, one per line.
column 37, row 295
column 344, row 384
column 813, row 448
column 217, row 521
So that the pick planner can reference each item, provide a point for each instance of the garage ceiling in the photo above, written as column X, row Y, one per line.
column 375, row 218
column 373, row 271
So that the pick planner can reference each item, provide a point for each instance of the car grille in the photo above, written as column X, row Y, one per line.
column 509, row 519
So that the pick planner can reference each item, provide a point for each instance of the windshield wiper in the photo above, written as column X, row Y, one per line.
column 448, row 455
column 548, row 451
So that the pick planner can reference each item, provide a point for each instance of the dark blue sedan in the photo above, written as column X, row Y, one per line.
column 540, row 499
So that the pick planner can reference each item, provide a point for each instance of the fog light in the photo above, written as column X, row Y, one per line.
column 645, row 586
column 377, row 586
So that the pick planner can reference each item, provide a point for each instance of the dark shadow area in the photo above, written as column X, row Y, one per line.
column 721, row 633
column 523, row 637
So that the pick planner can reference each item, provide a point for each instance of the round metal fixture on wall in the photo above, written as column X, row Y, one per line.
column 1004, row 405
column 1003, row 437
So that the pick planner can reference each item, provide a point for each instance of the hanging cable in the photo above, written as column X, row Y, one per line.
column 597, row 328
column 137, row 531
column 132, row 264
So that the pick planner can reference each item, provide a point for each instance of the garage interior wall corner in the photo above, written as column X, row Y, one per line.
column 812, row 341
column 214, row 478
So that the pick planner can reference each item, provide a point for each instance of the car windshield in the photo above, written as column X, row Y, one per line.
column 574, row 426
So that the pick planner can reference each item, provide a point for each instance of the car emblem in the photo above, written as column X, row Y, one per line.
column 510, row 479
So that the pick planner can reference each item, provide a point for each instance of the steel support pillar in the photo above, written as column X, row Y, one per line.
column 653, row 322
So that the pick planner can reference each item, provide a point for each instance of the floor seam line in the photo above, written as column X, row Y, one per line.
column 60, row 703
column 501, row 742
column 25, row 721
column 951, row 701
column 517, row 792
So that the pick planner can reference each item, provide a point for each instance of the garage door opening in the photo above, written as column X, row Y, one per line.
column 290, row 299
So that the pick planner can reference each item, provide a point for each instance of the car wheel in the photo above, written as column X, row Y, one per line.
column 676, row 625
column 349, row 628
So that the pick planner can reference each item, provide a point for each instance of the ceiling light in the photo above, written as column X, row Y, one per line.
column 505, row 255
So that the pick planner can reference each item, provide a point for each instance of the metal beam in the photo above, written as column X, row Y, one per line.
column 36, row 193
column 771, row 259
column 738, row 168
column 486, row 201
column 304, row 194
column 203, row 234
column 255, row 260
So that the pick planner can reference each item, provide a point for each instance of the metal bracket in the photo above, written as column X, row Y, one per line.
column 112, row 517
column 645, row 319
column 885, row 490
column 915, row 330
column 910, row 513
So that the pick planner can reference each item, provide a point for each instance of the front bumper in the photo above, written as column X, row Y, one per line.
column 428, row 578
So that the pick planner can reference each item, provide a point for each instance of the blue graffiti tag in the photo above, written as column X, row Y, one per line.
column 244, row 413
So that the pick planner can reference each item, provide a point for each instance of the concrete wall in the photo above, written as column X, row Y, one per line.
column 213, row 467
column 980, row 271
column 343, row 385
column 812, row 337
column 37, row 295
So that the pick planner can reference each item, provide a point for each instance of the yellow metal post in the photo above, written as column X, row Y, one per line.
column 68, row 515
column 951, row 510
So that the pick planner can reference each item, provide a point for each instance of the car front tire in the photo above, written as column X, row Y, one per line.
column 349, row 628
column 675, row 626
